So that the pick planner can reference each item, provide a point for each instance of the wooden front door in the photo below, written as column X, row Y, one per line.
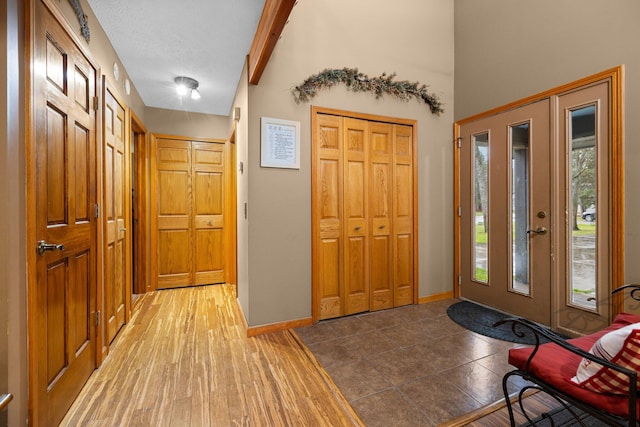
column 62, row 236
column 116, row 216
column 188, row 208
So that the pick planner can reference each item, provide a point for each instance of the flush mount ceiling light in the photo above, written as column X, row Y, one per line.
column 185, row 85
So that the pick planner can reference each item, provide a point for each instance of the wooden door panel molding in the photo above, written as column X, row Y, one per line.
column 62, row 191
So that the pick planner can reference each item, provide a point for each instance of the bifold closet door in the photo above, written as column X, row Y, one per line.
column 189, row 203
column 363, row 184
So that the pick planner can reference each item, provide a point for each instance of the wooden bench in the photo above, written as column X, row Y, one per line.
column 550, row 364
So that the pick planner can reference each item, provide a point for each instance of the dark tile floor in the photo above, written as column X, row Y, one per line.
column 409, row 366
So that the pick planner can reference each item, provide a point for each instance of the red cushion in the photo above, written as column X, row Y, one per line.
column 556, row 366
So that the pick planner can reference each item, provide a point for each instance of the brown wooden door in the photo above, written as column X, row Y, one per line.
column 403, row 212
column 356, row 214
column 116, row 215
column 172, row 191
column 381, row 185
column 62, row 299
column 208, row 212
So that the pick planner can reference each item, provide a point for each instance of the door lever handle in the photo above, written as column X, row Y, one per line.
column 43, row 247
column 4, row 400
column 539, row 230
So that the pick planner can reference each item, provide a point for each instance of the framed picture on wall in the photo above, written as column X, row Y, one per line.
column 280, row 143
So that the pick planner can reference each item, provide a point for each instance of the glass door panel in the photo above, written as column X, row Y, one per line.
column 481, row 204
column 519, row 137
column 582, row 207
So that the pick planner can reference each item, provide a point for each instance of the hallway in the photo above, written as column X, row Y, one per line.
column 185, row 360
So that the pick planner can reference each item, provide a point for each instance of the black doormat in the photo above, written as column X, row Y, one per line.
column 480, row 319
column 562, row 417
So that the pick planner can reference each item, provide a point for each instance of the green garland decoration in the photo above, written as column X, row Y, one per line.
column 359, row 82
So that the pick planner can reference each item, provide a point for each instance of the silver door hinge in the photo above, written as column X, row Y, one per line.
column 459, row 211
column 96, row 211
column 97, row 318
column 459, row 141
column 459, row 279
column 95, row 103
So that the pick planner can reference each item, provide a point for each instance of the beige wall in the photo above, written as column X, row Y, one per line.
column 13, row 313
column 183, row 123
column 242, row 156
column 413, row 38
column 506, row 50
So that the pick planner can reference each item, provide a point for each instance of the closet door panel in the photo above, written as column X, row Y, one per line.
column 403, row 216
column 173, row 160
column 208, row 212
column 380, row 189
column 356, row 213
column 327, row 211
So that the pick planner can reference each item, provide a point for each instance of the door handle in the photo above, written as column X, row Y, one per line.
column 4, row 400
column 43, row 247
column 539, row 230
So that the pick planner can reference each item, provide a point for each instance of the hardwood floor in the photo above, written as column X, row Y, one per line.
column 184, row 359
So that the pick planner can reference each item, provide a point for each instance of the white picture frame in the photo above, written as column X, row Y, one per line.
column 280, row 143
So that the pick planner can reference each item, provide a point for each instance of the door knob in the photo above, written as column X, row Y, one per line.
column 43, row 247
column 539, row 230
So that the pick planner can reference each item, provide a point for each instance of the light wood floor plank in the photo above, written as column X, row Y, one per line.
column 185, row 360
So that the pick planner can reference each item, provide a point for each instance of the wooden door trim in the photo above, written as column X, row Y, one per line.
column 315, row 232
column 141, row 230
column 615, row 76
column 31, row 9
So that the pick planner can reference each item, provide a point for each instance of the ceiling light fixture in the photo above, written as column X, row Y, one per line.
column 185, row 85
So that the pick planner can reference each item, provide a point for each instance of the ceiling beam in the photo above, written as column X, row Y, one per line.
column 274, row 17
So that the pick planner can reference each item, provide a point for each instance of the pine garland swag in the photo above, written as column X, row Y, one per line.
column 359, row 82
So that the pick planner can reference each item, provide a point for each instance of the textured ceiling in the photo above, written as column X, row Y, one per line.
column 158, row 40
